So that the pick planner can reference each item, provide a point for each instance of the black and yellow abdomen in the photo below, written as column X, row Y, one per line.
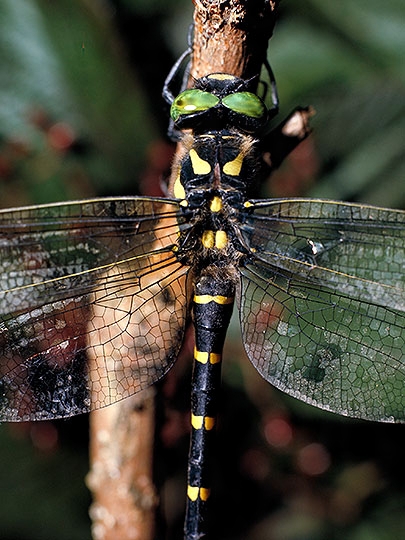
column 212, row 309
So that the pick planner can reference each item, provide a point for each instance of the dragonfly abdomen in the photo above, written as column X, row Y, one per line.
column 212, row 309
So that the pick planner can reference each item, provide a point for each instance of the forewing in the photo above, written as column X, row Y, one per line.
column 358, row 240
column 93, row 303
column 323, row 304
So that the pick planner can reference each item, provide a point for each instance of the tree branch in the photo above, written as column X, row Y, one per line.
column 231, row 36
column 120, row 478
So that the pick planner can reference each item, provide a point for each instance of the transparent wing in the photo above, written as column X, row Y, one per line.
column 322, row 304
column 92, row 303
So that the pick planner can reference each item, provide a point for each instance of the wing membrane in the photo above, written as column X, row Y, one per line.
column 362, row 241
column 60, row 245
column 323, row 304
column 79, row 281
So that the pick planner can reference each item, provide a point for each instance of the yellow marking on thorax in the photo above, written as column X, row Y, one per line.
column 208, row 239
column 178, row 188
column 200, row 166
column 221, row 239
column 199, row 421
column 216, row 204
column 233, row 167
column 218, row 239
column 207, row 298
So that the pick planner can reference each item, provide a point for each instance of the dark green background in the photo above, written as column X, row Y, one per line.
column 96, row 69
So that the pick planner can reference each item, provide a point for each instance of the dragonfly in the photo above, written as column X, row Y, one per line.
column 96, row 294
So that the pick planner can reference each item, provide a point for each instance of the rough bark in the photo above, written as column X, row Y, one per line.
column 231, row 36
column 120, row 478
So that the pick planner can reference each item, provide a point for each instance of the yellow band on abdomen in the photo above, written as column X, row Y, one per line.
column 207, row 298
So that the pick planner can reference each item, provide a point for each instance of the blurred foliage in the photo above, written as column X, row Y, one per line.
column 346, row 59
column 81, row 115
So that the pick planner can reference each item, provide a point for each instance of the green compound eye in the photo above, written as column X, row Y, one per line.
column 245, row 103
column 192, row 101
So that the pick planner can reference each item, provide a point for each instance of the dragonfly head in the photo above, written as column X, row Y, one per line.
column 218, row 101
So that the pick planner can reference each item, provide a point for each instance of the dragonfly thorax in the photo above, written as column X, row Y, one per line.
column 213, row 237
column 218, row 160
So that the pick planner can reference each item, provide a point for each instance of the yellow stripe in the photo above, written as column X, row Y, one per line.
column 209, row 422
column 208, row 239
column 199, row 421
column 215, row 358
column 221, row 239
column 200, row 166
column 193, row 492
column 178, row 188
column 204, row 493
column 233, row 167
column 216, row 204
column 207, row 298
column 203, row 357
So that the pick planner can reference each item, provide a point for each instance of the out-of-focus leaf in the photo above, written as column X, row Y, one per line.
column 30, row 73
column 65, row 61
column 346, row 59
column 52, row 498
